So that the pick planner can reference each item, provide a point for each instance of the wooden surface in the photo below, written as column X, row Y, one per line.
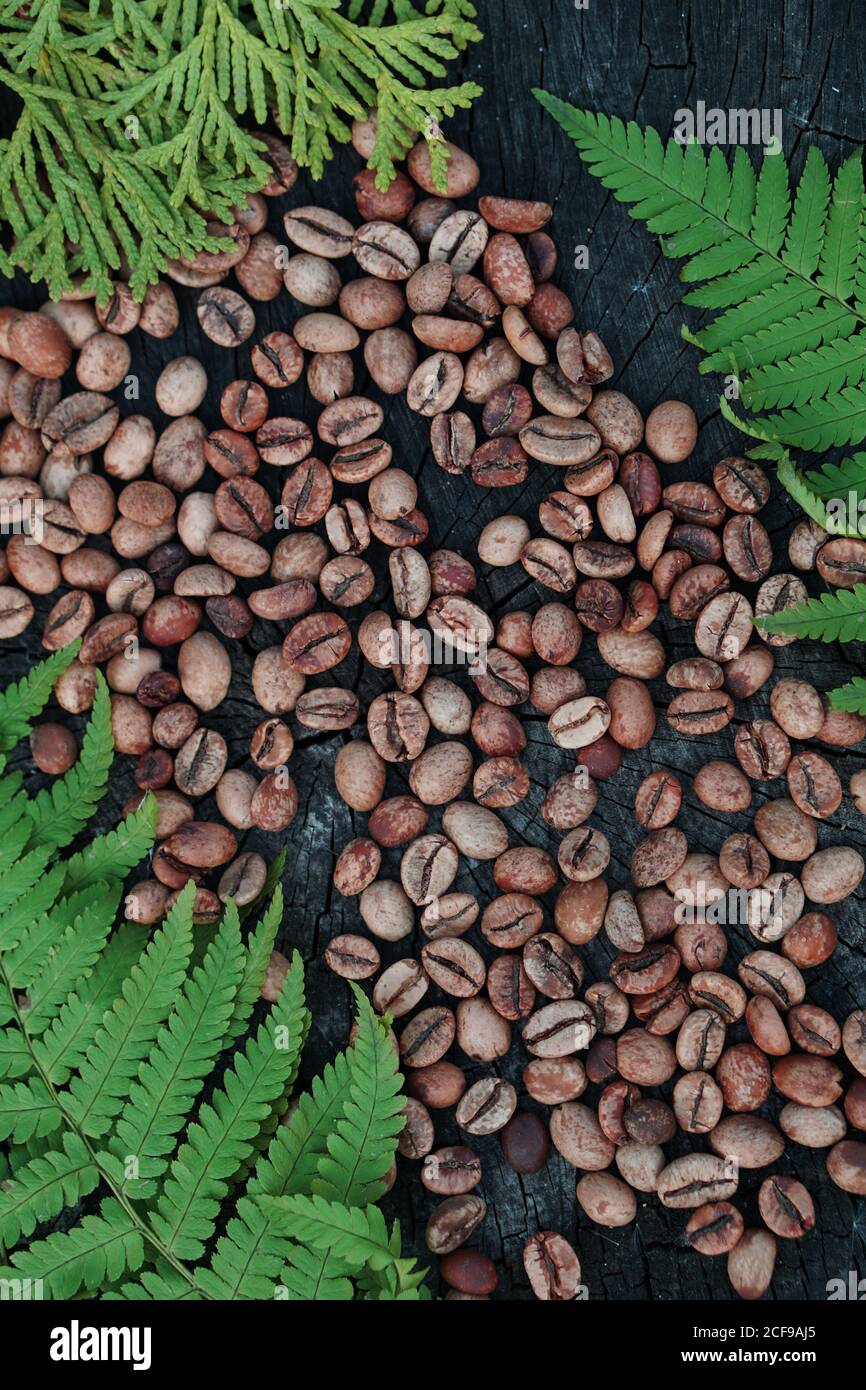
column 634, row 60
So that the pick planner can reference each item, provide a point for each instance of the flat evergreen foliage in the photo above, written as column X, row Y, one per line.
column 136, row 114
column 138, row 1071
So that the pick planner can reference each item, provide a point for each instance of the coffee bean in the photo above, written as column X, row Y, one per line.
column 399, row 989
column 714, row 1229
column 453, row 1222
column 352, row 957
column 453, row 1171
column 552, row 1267
column 525, row 1143
column 565, row 443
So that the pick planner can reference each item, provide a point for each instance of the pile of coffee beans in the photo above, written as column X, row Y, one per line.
column 163, row 565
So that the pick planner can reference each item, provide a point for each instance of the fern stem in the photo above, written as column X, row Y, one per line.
column 146, row 1233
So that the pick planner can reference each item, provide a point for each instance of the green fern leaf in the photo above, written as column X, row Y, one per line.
column 45, row 1186
column 60, row 812
column 27, row 1109
column 72, row 957
column 784, row 277
column 110, row 857
column 98, row 1248
column 19, row 917
column 181, row 1059
column 850, row 697
column 62, row 1047
column 361, row 1148
column 806, row 230
column 834, row 617
column 22, row 702
column 16, row 1059
column 842, row 239
column 222, row 1138
column 838, row 479
column 247, row 1260
column 100, row 1090
column 259, row 947
column 355, row 1236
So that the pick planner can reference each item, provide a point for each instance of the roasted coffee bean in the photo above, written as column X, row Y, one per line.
column 748, row 548
column 742, row 485
column 499, row 463
column 694, row 1180
column 200, row 762
column 762, row 750
column 786, row 1207
column 854, row 1040
column 714, row 1229
column 578, row 1136
column 225, row 317
column 399, row 989
column 277, row 361
column 658, row 800
column 846, row 1166
column 283, row 441
column 579, row 722
column 317, row 643
column 565, row 443
column 774, row 596
column 352, row 957
column 386, row 910
column 832, row 875
column 525, row 1143
column 453, row 1222
column 453, row 440
column 507, row 411
column 450, row 1171
column 552, row 1267
column 306, row 495
column 487, row 1106
column 813, row 784
column 243, row 406
column 646, row 970
column 700, row 543
column 724, row 626
column 435, row 384
column 346, row 581
column 560, row 1029
column 698, row 1103
column 553, row 967
column 454, row 965
column 719, row 993
column 599, row 605
column 398, row 726
column 842, row 562
column 557, row 394
column 509, row 988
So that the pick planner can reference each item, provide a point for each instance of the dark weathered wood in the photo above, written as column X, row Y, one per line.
column 635, row 60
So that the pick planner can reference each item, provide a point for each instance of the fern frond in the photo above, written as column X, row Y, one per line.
column 838, row 479
column 101, row 1088
column 839, row 616
column 62, row 1047
column 355, row 1236
column 179, row 1062
column 110, row 857
column 362, row 1145
column 789, row 279
column 60, row 812
column 27, row 1109
column 99, row 1248
column 45, row 1186
column 22, row 702
column 850, row 697
column 222, row 1138
column 258, row 951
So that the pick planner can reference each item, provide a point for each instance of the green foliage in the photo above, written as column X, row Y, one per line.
column 839, row 616
column 135, row 115
column 785, row 277
column 142, row 1083
column 850, row 697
